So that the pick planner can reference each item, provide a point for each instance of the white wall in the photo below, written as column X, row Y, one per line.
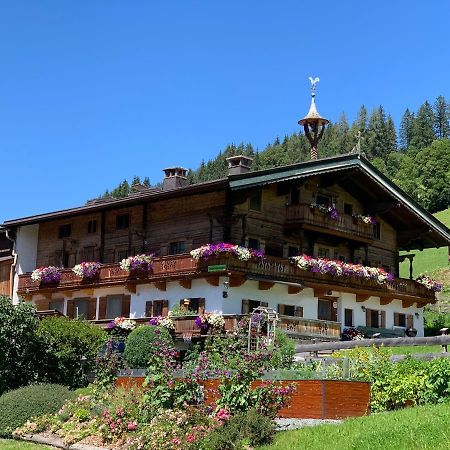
column 26, row 249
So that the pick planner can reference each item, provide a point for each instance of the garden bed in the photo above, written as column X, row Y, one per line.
column 312, row 399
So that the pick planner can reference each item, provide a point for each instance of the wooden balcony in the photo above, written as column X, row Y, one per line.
column 274, row 269
column 313, row 219
column 183, row 268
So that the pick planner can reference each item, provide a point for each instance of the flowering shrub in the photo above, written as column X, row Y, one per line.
column 165, row 322
column 368, row 220
column 341, row 269
column 242, row 253
column 87, row 269
column 122, row 324
column 50, row 274
column 429, row 283
column 331, row 211
column 138, row 262
column 352, row 334
column 210, row 320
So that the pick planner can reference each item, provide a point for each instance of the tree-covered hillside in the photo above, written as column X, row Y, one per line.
column 417, row 159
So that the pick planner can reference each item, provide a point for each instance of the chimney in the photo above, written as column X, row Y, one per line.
column 175, row 177
column 239, row 164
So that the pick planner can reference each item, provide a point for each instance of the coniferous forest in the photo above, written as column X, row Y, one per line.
column 416, row 155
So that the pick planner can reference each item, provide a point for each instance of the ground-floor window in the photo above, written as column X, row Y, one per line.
column 81, row 308
column 57, row 305
column 195, row 304
column 249, row 305
column 375, row 318
column 290, row 310
column 327, row 309
column 157, row 308
column 403, row 320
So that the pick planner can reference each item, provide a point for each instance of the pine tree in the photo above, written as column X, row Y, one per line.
column 423, row 128
column 391, row 137
column 441, row 118
column 376, row 136
column 146, row 182
column 406, row 127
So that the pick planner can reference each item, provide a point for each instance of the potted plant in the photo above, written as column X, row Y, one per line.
column 139, row 265
column 47, row 275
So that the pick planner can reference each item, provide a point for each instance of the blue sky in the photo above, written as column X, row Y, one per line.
column 92, row 92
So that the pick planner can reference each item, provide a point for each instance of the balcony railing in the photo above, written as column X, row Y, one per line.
column 345, row 224
column 270, row 269
column 297, row 327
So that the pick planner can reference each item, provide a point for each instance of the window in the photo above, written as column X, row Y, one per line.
column 92, row 227
column 249, row 305
column 122, row 221
column 57, row 305
column 81, row 308
column 326, row 309
column 289, row 310
column 89, row 253
column 374, row 318
column 323, row 199
column 121, row 254
column 295, row 196
column 377, row 231
column 255, row 201
column 400, row 320
column 323, row 252
column 65, row 231
column 113, row 306
column 175, row 248
column 66, row 258
column 274, row 250
column 348, row 209
column 293, row 251
column 348, row 319
column 253, row 243
column 196, row 305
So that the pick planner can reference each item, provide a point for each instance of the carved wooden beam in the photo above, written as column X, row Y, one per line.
column 237, row 280
column 88, row 292
column 407, row 303
column 161, row 285
column 386, row 300
column 294, row 289
column 213, row 281
column 68, row 294
column 186, row 283
column 362, row 297
column 265, row 285
column 131, row 287
column 319, row 292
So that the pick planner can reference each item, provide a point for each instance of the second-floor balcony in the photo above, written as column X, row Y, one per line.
column 344, row 225
column 267, row 271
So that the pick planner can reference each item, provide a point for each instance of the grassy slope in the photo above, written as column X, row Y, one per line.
column 424, row 427
column 429, row 259
column 9, row 444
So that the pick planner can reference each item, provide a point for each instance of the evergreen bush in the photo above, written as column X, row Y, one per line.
column 72, row 347
column 20, row 405
column 139, row 342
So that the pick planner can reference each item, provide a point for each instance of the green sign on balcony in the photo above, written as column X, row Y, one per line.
column 217, row 268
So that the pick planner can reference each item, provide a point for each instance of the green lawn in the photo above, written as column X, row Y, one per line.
column 424, row 427
column 429, row 259
column 9, row 444
column 415, row 349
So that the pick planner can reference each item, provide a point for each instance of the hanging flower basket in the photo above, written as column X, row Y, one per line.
column 47, row 275
column 366, row 220
column 87, row 270
column 209, row 322
column 222, row 249
column 138, row 266
column 165, row 322
column 330, row 211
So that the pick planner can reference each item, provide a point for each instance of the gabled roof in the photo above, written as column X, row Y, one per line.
column 417, row 227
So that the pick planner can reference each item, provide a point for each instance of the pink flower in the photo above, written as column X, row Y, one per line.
column 131, row 426
column 190, row 437
column 176, row 441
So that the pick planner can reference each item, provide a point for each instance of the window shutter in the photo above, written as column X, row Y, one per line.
column 102, row 308
column 42, row 305
column 201, row 305
column 409, row 321
column 165, row 308
column 148, row 309
column 265, row 304
column 92, row 311
column 281, row 309
column 70, row 308
column 126, row 300
column 245, row 307
column 396, row 319
column 368, row 321
column 299, row 311
column 383, row 319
